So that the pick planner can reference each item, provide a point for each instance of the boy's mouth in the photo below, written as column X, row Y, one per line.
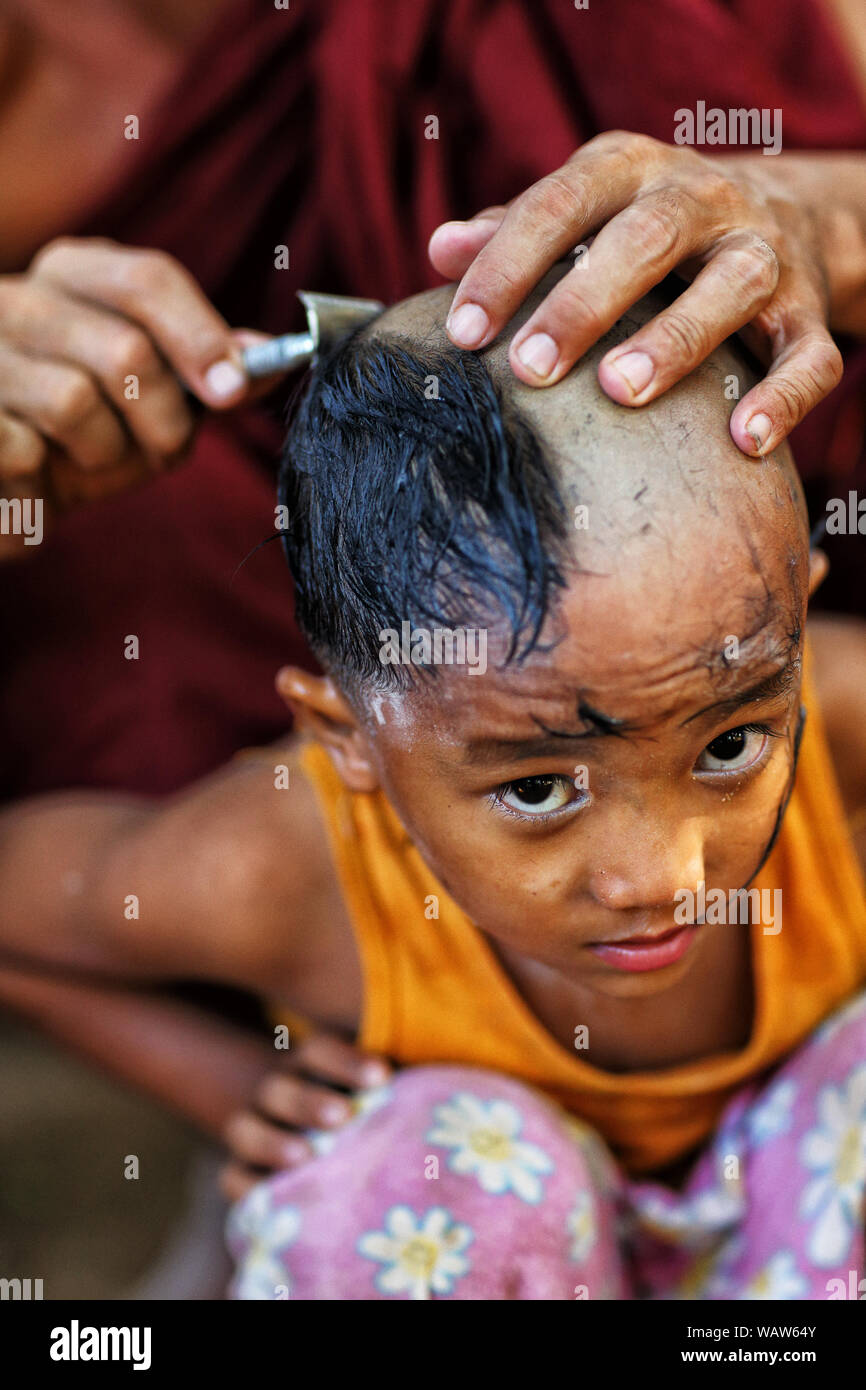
column 647, row 951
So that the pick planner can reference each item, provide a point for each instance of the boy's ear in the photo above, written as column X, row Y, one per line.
column 320, row 709
column 818, row 567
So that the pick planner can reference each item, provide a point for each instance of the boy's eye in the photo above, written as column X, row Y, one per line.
column 537, row 796
column 735, row 750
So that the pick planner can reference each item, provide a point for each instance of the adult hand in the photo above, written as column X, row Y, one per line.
column 749, row 246
column 97, row 342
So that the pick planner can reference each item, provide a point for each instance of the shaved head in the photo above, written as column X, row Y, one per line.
column 463, row 495
column 672, row 461
column 657, row 492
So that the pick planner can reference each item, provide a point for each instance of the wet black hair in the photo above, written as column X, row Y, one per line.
column 414, row 492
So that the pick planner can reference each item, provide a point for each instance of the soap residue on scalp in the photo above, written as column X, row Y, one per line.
column 393, row 709
column 407, row 717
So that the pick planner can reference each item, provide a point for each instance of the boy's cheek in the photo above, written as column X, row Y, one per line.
column 740, row 836
column 500, row 881
column 461, row 841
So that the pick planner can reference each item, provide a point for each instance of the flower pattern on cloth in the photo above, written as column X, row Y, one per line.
column 778, row 1279
column 484, row 1137
column 835, row 1153
column 581, row 1225
column 606, row 1176
column 361, row 1103
column 422, row 1255
column 695, row 1223
column 774, row 1207
column 851, row 1012
column 773, row 1116
column 259, row 1232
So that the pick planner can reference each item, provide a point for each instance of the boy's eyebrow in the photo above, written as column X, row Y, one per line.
column 491, row 750
column 778, row 683
column 485, row 750
column 494, row 750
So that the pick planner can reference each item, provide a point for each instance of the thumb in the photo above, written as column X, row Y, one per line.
column 454, row 245
column 260, row 385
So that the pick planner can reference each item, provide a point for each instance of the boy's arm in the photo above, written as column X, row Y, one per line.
column 194, row 1062
column 215, row 883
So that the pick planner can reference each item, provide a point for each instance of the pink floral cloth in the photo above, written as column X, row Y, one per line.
column 458, row 1183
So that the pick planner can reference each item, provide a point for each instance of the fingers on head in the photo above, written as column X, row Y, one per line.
column 806, row 372
column 23, row 450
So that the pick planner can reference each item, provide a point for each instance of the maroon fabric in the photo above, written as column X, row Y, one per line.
column 306, row 127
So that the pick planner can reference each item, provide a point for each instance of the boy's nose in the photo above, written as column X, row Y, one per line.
column 649, row 870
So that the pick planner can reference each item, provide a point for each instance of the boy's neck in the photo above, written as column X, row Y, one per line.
column 710, row 1010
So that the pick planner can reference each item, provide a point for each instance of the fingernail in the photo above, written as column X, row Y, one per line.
column 224, row 379
column 468, row 325
column 374, row 1074
column 759, row 429
column 539, row 353
column 333, row 1112
column 636, row 369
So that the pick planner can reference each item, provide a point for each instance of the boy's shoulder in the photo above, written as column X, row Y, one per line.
column 285, row 885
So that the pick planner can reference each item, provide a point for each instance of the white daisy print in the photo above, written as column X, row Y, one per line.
column 423, row 1255
column 772, row 1116
column 844, row 1015
column 259, row 1231
column 779, row 1278
column 599, row 1160
column 695, row 1223
column 581, row 1226
column 361, row 1103
column 484, row 1137
column 835, row 1150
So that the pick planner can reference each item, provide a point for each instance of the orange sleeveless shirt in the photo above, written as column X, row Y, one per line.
column 435, row 992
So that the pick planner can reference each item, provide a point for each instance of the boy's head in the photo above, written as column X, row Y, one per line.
column 609, row 713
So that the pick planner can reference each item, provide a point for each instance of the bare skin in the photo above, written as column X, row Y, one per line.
column 691, row 542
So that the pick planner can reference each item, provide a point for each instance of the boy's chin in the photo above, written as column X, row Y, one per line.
column 639, row 984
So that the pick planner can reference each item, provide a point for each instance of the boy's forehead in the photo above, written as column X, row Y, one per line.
column 636, row 620
column 610, row 667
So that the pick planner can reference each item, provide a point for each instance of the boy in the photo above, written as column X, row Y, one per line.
column 511, row 844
